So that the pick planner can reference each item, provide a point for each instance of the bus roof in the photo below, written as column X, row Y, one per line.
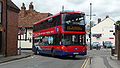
column 46, row 18
column 57, row 15
column 72, row 12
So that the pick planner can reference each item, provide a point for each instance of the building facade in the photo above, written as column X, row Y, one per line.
column 26, row 20
column 103, row 31
column 8, row 27
column 117, row 40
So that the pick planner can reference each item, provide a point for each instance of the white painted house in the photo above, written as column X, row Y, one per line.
column 25, row 25
column 103, row 31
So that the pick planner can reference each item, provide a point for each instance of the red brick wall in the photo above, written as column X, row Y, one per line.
column 117, row 41
column 118, row 44
column 12, row 29
column 3, row 25
column 12, row 33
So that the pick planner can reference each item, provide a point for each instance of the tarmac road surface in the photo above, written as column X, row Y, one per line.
column 38, row 61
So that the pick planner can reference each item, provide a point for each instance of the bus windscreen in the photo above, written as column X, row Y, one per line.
column 73, row 39
column 73, row 18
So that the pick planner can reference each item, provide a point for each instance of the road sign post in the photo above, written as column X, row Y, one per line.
column 22, row 31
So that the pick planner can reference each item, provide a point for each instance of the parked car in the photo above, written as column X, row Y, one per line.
column 107, row 44
column 96, row 45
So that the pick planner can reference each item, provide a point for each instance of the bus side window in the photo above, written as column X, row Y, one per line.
column 50, row 40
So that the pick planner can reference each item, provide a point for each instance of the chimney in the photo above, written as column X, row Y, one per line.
column 23, row 7
column 99, row 20
column 107, row 16
column 31, row 7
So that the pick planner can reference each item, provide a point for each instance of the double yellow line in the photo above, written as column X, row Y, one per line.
column 85, row 63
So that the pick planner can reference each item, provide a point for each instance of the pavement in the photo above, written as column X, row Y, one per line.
column 114, row 62
column 24, row 54
column 103, row 61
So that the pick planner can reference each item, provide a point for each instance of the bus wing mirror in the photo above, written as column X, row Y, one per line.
column 50, row 20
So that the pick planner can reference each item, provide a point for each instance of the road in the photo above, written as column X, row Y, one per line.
column 38, row 61
column 100, row 59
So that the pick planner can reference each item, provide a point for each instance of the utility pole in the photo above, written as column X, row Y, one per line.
column 90, row 24
column 63, row 8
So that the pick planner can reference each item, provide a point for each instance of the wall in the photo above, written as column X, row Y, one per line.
column 26, row 39
column 3, row 27
column 104, row 29
column 12, row 32
column 117, row 42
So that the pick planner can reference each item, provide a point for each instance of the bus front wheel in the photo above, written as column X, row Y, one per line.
column 36, row 51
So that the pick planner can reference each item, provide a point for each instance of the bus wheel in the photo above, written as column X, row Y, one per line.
column 73, row 56
column 53, row 52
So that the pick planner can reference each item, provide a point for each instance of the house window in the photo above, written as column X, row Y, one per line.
column 111, row 30
column 0, row 12
column 97, row 35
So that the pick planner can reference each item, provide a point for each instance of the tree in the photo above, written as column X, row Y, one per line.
column 118, row 22
column 117, row 25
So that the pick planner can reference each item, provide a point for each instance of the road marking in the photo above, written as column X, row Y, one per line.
column 85, row 63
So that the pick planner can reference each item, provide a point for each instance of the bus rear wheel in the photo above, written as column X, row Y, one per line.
column 73, row 56
column 53, row 52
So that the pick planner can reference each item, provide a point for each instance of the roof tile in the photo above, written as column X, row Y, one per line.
column 28, row 17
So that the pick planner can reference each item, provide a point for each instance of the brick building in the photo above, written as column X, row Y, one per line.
column 8, row 27
column 25, row 24
column 117, row 39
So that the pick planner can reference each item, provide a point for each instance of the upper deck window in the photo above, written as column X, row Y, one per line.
column 73, row 18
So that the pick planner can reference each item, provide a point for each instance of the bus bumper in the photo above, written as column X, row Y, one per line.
column 63, row 53
column 74, row 53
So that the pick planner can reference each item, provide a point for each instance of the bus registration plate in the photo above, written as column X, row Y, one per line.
column 75, row 53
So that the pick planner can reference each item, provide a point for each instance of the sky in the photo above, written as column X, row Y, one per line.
column 100, row 8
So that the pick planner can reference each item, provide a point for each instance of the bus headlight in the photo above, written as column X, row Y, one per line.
column 62, row 47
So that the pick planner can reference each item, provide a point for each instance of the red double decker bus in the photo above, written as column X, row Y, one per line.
column 62, row 34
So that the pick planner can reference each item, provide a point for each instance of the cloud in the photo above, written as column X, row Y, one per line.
column 76, row 1
column 99, row 7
